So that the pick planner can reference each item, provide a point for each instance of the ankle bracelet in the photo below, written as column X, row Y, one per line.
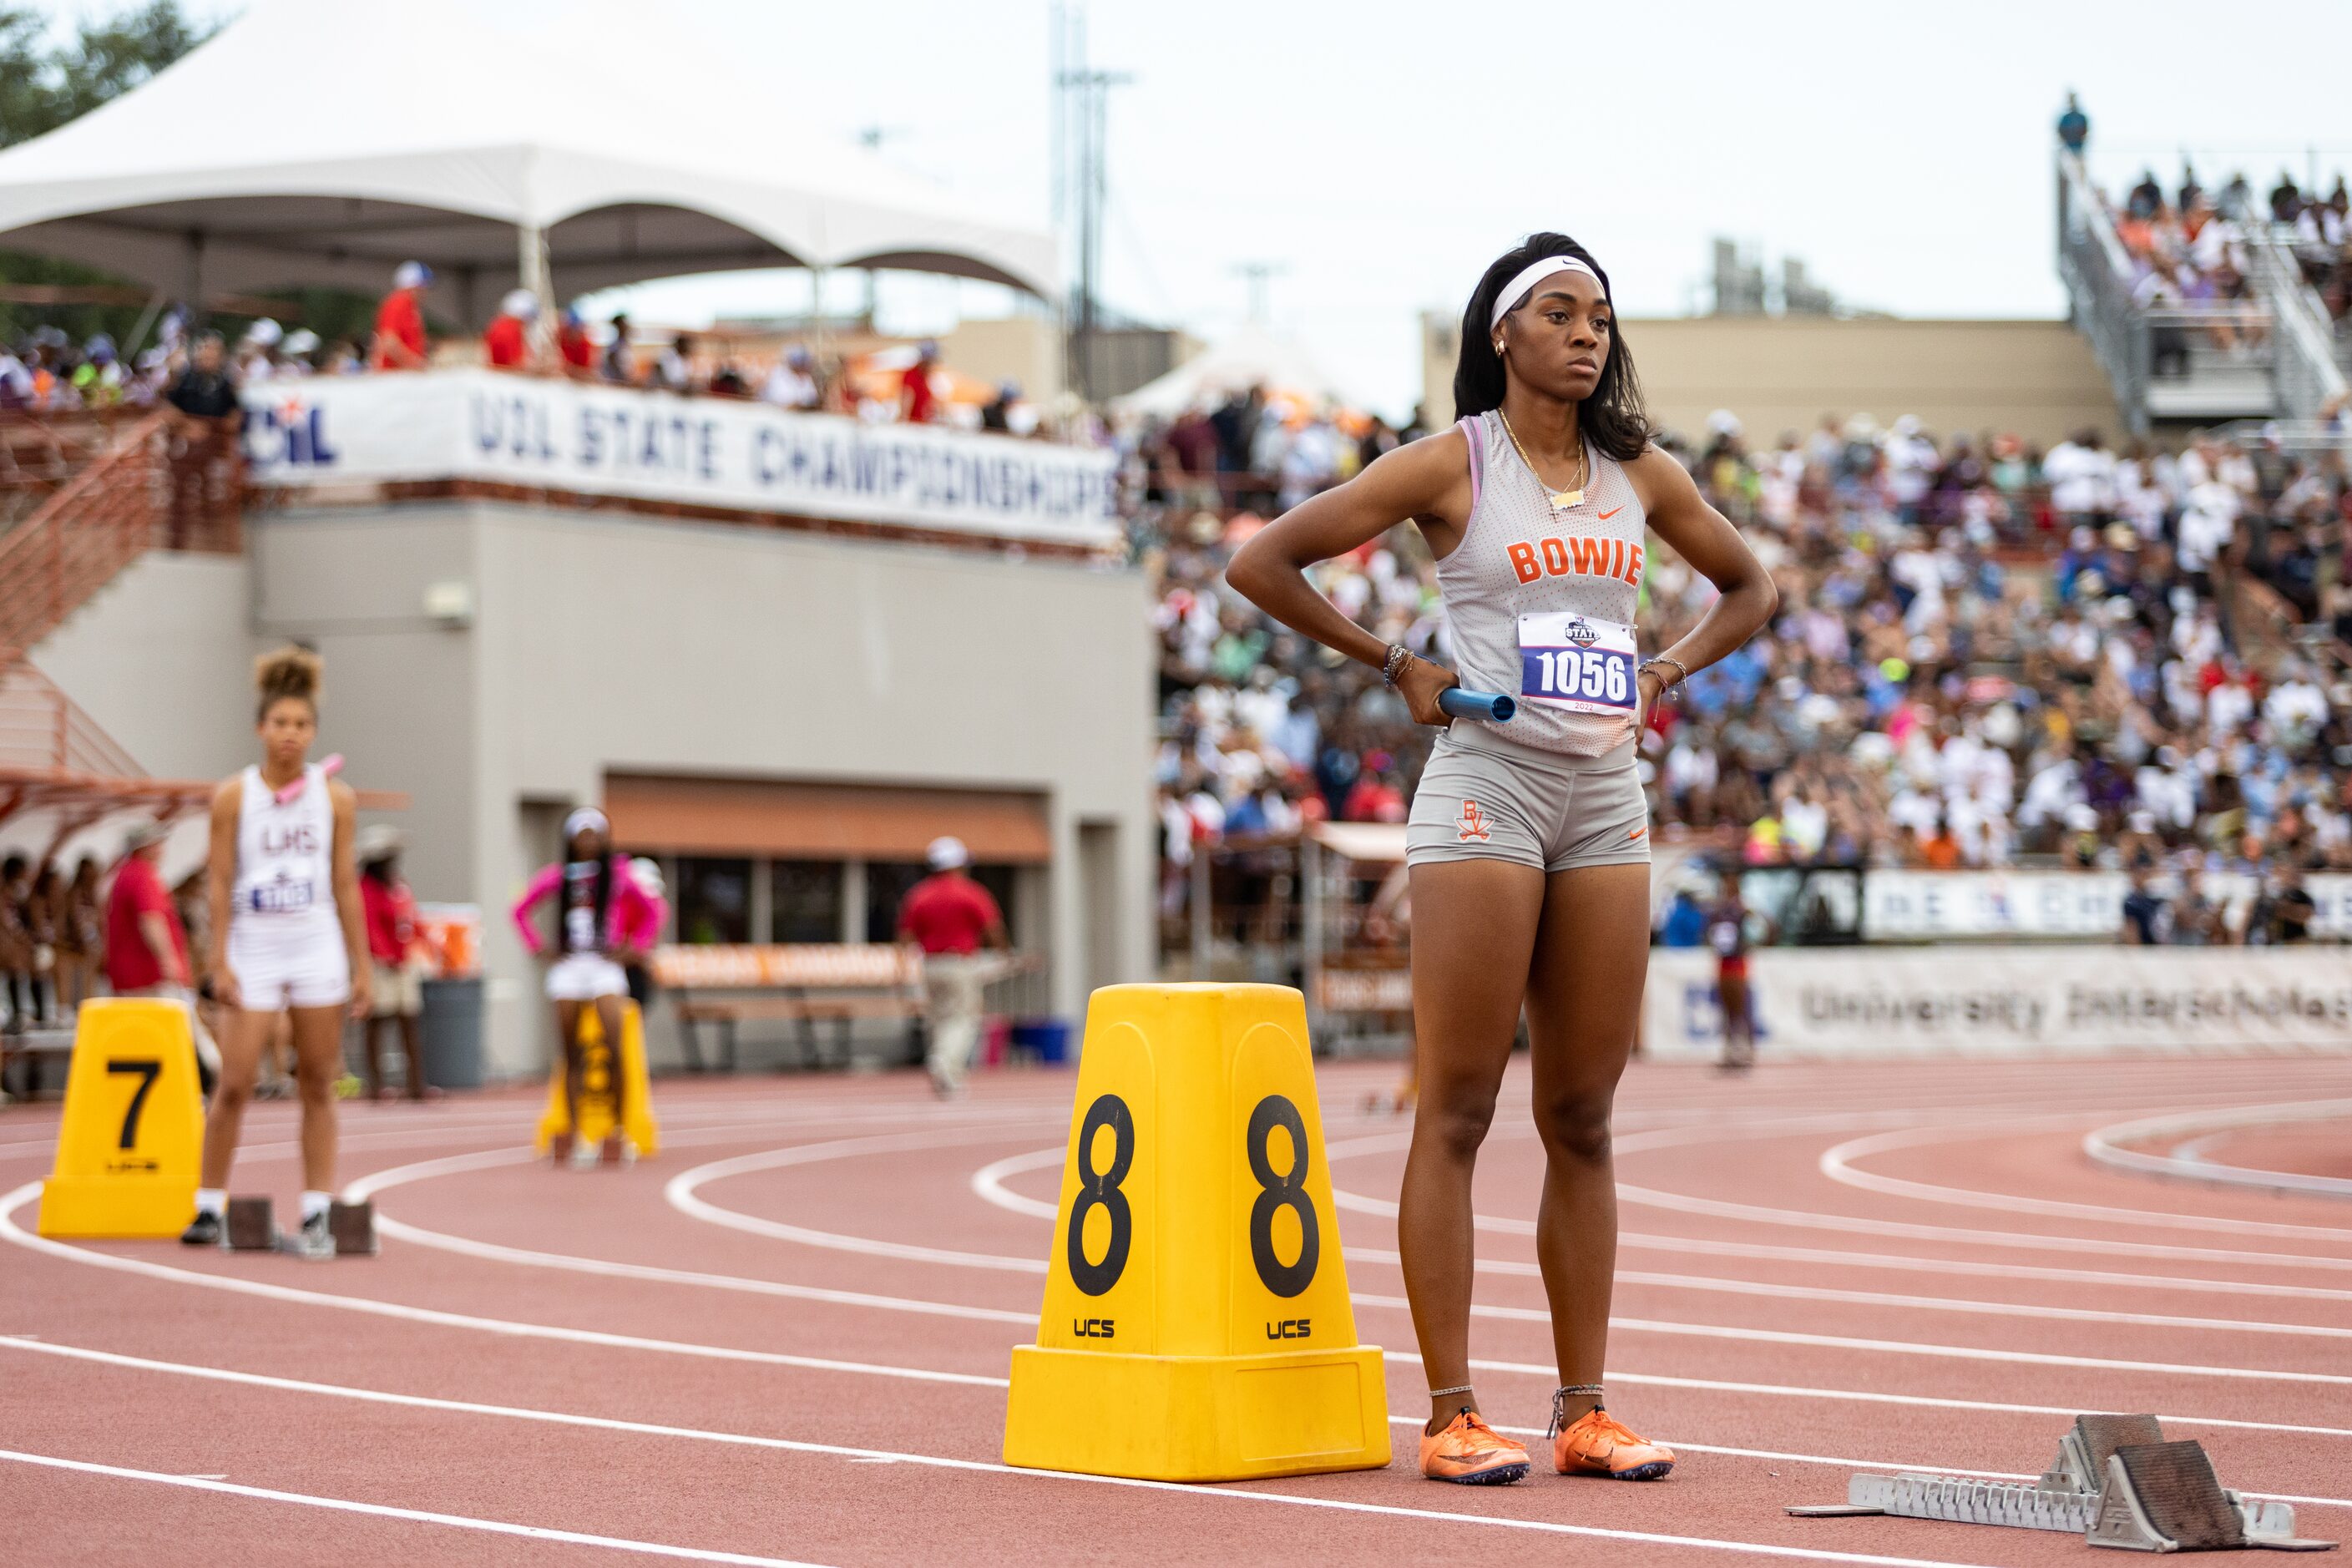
column 1442, row 1393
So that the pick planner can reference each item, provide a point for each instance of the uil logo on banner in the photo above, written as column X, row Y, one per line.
column 1196, row 1324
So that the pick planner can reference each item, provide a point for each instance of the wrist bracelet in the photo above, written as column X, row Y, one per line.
column 1393, row 664
column 1682, row 673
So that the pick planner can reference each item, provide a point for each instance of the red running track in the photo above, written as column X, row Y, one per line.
column 785, row 1340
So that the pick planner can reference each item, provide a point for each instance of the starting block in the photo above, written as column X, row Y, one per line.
column 1196, row 1324
column 2116, row 1483
column 249, row 1226
column 596, row 1086
column 132, row 1135
column 353, row 1227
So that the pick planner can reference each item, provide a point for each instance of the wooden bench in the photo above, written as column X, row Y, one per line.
column 31, row 1045
column 804, row 983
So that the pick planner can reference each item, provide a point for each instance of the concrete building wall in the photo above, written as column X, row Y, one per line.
column 2036, row 379
column 601, row 644
column 161, row 658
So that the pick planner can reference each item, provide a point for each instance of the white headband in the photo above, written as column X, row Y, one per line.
column 587, row 817
column 1532, row 274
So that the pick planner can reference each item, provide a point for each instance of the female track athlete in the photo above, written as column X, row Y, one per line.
column 286, row 937
column 1529, row 841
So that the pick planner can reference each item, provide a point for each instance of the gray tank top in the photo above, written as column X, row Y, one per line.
column 1519, row 557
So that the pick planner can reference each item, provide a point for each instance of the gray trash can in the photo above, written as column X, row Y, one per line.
column 452, row 1027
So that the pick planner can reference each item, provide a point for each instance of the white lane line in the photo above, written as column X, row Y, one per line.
column 413, row 1515
column 258, row 1380
column 2108, row 1146
column 989, row 1183
column 1837, row 1164
column 935, row 1461
column 1889, row 1347
column 681, row 1191
column 400, row 1175
column 11, row 1231
column 1719, row 1209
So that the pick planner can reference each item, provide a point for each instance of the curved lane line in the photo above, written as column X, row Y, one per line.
column 11, row 1231
column 1837, row 1164
column 983, row 1467
column 2188, row 1162
column 417, row 1515
column 681, row 1192
column 943, row 1308
column 989, row 1183
column 1719, row 1209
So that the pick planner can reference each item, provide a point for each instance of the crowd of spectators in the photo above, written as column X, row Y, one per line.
column 1986, row 655
column 48, row 372
column 2187, row 247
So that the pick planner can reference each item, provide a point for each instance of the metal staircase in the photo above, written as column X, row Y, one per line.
column 2274, row 356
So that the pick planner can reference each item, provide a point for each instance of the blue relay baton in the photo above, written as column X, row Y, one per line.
column 1491, row 706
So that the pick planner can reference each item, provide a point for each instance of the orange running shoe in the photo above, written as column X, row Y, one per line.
column 1596, row 1444
column 1469, row 1451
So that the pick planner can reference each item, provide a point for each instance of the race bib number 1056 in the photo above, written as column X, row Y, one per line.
column 1576, row 662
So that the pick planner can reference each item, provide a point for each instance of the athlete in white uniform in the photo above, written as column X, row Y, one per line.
column 286, row 937
column 1529, row 841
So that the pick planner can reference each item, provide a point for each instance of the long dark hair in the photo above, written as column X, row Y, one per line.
column 1613, row 418
column 604, row 899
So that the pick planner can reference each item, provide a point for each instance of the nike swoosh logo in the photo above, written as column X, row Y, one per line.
column 1637, row 832
column 1613, row 511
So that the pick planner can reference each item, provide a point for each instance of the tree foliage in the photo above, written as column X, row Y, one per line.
column 45, row 84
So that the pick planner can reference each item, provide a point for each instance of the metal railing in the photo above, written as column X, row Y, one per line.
column 2098, row 274
column 2273, row 355
column 2309, row 379
column 108, row 514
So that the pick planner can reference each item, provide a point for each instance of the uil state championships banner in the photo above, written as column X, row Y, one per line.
column 580, row 437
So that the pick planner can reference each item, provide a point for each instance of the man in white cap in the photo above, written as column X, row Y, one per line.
column 951, row 918
column 507, row 339
column 399, row 321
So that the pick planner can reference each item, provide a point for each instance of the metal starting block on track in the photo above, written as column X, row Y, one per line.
column 353, row 1227
column 251, row 1225
column 2115, row 1481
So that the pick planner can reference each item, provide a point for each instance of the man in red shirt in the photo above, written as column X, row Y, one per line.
column 146, row 948
column 577, row 349
column 918, row 402
column 399, row 321
column 951, row 918
column 507, row 339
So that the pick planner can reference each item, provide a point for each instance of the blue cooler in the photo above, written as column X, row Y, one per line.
column 1048, row 1038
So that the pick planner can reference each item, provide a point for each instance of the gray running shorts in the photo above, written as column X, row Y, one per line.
column 1486, row 798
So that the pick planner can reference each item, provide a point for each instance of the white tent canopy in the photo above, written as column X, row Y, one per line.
column 324, row 141
column 1253, row 356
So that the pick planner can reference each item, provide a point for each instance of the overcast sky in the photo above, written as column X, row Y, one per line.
column 1381, row 154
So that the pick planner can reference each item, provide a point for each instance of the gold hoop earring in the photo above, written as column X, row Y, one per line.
column 1499, row 347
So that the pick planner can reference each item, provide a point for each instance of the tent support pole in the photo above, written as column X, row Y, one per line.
column 816, row 316
column 192, row 282
column 537, row 272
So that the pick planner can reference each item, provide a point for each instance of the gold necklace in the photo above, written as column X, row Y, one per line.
column 1561, row 499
